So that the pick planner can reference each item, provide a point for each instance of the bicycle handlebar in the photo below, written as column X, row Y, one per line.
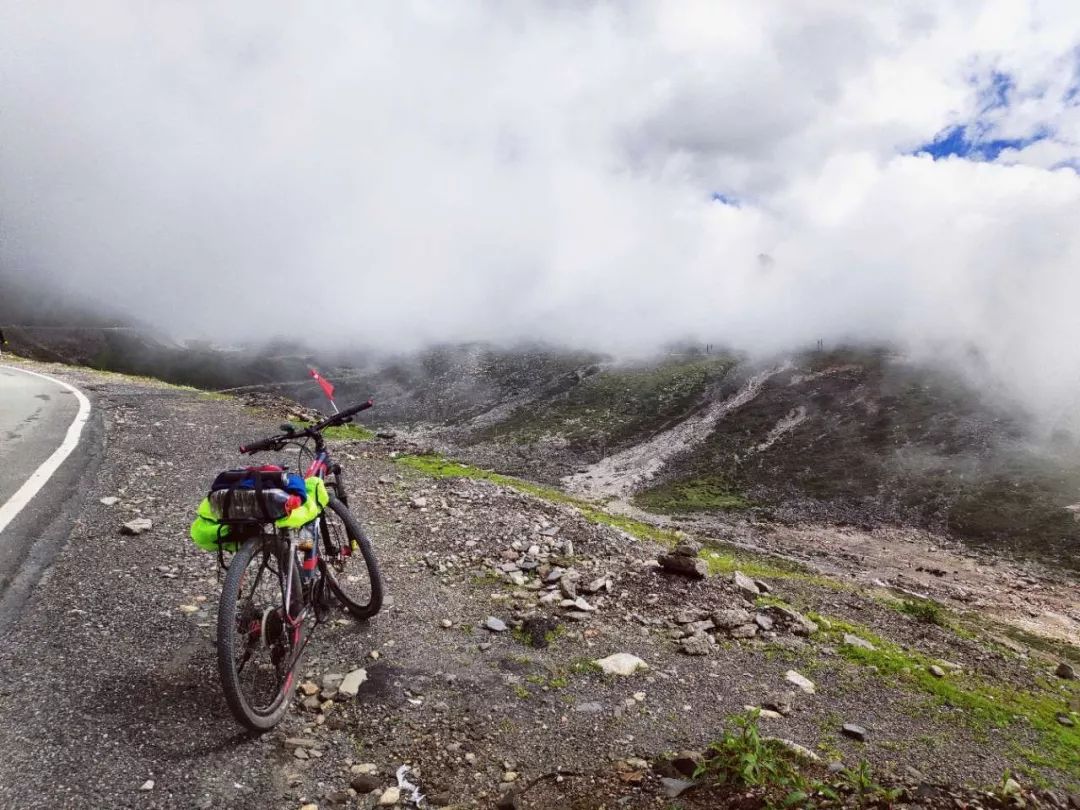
column 277, row 442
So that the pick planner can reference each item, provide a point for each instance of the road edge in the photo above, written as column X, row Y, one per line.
column 39, row 477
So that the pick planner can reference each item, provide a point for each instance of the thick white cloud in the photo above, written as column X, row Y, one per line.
column 416, row 171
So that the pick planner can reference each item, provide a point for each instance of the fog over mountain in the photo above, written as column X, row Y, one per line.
column 605, row 175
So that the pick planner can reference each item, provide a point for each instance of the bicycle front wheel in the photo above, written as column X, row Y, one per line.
column 258, row 639
column 348, row 561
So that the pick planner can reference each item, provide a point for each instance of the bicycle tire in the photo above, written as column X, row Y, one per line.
column 354, row 531
column 254, row 719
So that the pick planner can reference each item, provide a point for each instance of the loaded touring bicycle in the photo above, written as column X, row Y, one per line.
column 295, row 549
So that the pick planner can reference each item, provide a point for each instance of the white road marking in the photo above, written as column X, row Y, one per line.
column 50, row 465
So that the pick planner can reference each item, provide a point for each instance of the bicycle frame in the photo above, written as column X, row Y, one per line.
column 322, row 466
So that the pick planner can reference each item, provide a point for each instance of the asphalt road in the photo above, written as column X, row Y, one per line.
column 35, row 416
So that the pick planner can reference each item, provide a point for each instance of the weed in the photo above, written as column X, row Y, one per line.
column 924, row 610
column 583, row 666
column 860, row 782
column 521, row 692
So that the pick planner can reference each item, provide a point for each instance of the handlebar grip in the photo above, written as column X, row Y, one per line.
column 363, row 406
column 257, row 446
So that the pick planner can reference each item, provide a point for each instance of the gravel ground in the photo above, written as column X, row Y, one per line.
column 108, row 677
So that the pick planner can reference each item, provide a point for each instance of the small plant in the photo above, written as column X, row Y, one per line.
column 924, row 610
column 860, row 782
column 743, row 759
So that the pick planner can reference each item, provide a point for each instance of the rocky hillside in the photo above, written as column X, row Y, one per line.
column 848, row 437
column 857, row 437
column 538, row 651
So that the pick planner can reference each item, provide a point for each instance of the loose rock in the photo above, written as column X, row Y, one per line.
column 854, row 731
column 855, row 641
column 801, row 681
column 745, row 585
column 351, row 684
column 494, row 624
column 137, row 526
column 695, row 645
column 623, row 664
column 734, row 617
column 692, row 567
column 673, row 788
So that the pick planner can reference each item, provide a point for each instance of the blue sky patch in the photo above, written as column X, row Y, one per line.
column 724, row 199
column 957, row 142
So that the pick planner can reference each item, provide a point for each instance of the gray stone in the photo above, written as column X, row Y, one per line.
column 800, row 751
column 936, row 671
column 687, row 548
column 792, row 619
column 494, row 624
column 110, row 500
column 688, row 616
column 763, row 621
column 801, row 681
column 854, row 731
column 352, row 682
column 780, row 702
column 620, row 664
column 695, row 645
column 745, row 585
column 698, row 627
column 743, row 631
column 692, row 567
column 137, row 526
column 733, row 617
column 855, row 641
column 589, row 707
column 673, row 788
column 1065, row 720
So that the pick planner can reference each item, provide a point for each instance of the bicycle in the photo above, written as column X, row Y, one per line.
column 278, row 582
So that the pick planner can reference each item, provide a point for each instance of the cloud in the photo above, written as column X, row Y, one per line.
column 415, row 171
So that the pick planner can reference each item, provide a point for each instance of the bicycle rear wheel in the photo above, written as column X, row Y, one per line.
column 348, row 561
column 257, row 640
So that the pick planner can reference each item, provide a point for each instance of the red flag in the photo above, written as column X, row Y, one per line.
column 325, row 384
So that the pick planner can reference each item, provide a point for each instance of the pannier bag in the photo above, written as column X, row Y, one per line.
column 256, row 495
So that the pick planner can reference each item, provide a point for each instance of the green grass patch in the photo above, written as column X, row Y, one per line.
column 351, row 432
column 704, row 494
column 924, row 610
column 727, row 561
column 984, row 703
column 436, row 465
